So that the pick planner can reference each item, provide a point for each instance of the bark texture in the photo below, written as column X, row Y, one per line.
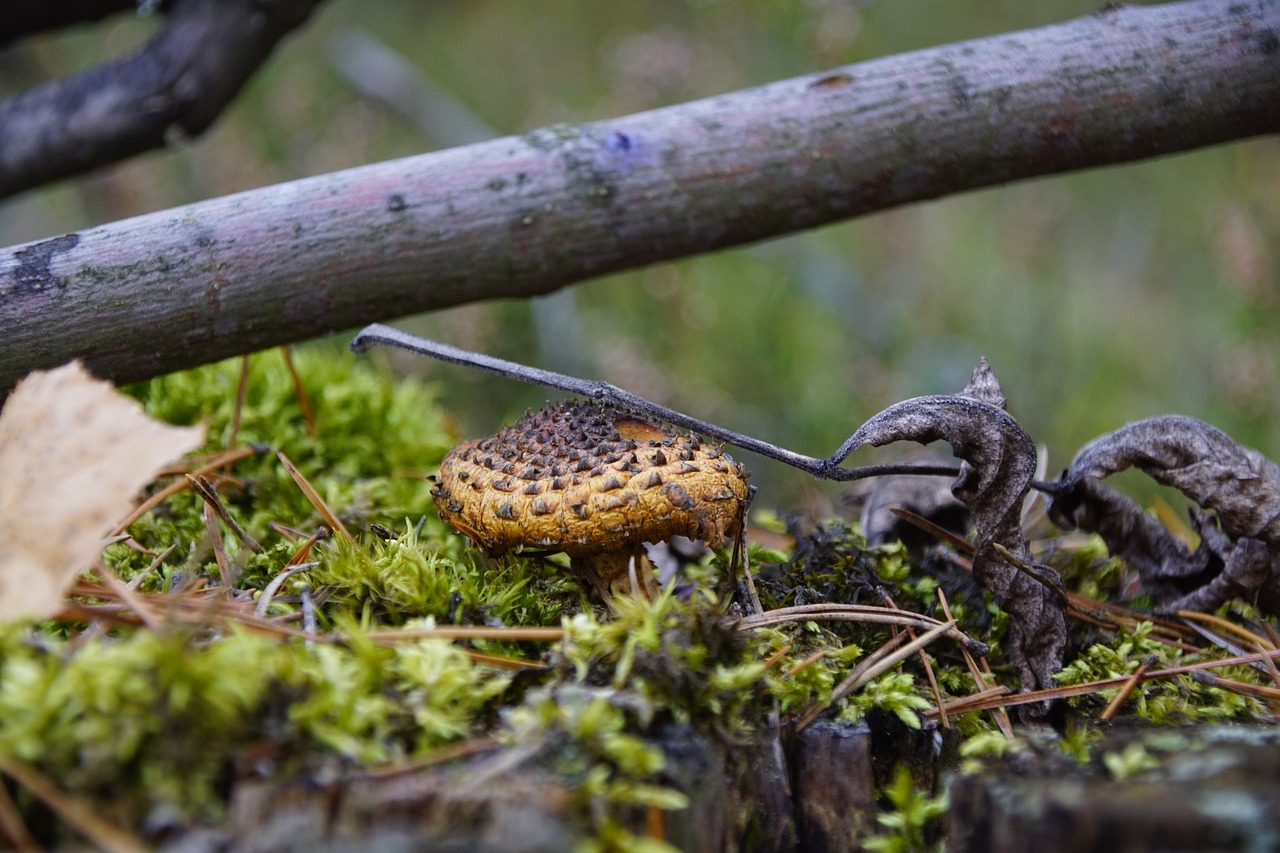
column 521, row 216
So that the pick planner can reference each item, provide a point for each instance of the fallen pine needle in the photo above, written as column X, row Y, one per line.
column 443, row 755
column 857, row 613
column 181, row 484
column 335, row 523
column 101, row 832
column 1126, row 689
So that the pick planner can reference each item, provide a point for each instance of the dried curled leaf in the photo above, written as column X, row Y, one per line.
column 73, row 453
column 1197, row 459
column 928, row 497
column 1239, row 556
column 999, row 463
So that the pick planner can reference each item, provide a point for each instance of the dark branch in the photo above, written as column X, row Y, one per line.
column 603, row 392
column 22, row 18
column 177, row 84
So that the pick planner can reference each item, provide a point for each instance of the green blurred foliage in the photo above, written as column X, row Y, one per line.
column 1099, row 297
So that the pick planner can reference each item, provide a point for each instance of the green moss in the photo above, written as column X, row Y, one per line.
column 161, row 719
column 138, row 720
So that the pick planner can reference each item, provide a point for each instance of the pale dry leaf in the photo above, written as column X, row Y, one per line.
column 74, row 453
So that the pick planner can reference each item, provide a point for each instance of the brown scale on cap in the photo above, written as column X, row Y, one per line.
column 594, row 482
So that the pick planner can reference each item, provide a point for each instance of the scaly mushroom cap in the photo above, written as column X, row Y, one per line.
column 588, row 479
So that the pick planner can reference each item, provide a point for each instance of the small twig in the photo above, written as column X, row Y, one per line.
column 443, row 755
column 1113, row 707
column 1030, row 571
column 101, row 832
column 335, row 523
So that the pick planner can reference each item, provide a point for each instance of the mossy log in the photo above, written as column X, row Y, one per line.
column 1211, row 788
column 813, row 790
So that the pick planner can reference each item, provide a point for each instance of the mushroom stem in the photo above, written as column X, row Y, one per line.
column 617, row 574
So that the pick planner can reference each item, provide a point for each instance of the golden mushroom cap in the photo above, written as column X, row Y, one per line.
column 586, row 479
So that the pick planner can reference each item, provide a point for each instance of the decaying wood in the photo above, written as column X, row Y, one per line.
column 1210, row 788
column 525, row 215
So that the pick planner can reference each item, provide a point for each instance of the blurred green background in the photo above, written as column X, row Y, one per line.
column 1099, row 297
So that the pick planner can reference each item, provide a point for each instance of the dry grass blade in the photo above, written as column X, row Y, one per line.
column 469, row 632
column 13, row 832
column 264, row 601
column 103, row 834
column 928, row 672
column 1243, row 688
column 889, row 661
column 1073, row 690
column 222, row 460
column 226, row 572
column 242, row 391
column 1126, row 689
column 137, row 579
column 300, row 391
column 858, row 613
column 979, row 676
column 209, row 495
column 443, row 755
column 304, row 550
column 128, row 597
column 1228, row 626
column 961, row 544
column 882, row 660
column 802, row 665
column 335, row 524
column 977, row 701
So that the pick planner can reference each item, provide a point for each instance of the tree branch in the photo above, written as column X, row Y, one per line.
column 525, row 215
column 178, row 82
column 22, row 18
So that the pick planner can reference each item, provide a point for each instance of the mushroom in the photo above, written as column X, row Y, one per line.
column 595, row 482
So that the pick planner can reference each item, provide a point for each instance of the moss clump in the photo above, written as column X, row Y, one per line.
column 152, row 720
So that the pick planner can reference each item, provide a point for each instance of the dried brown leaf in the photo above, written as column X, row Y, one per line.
column 73, row 454
column 1238, row 555
column 999, row 463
